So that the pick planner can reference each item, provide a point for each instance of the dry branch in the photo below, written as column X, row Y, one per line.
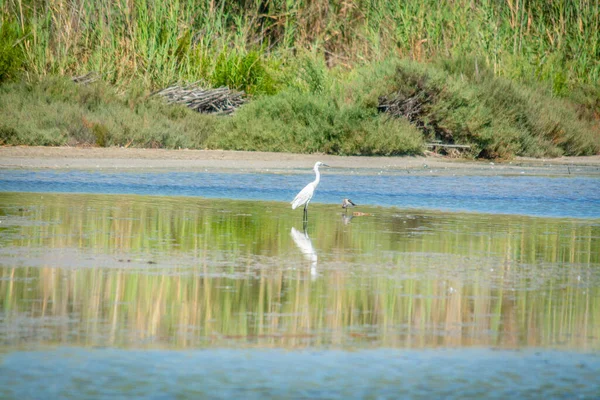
column 218, row 101
column 415, row 107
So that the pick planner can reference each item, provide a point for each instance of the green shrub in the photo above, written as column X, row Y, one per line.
column 57, row 112
column 292, row 121
column 497, row 117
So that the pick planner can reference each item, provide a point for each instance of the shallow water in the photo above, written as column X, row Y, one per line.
column 154, row 283
column 575, row 196
column 167, row 271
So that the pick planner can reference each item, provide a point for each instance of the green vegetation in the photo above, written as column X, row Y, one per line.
column 187, row 40
column 57, row 112
column 317, row 113
column 11, row 55
column 307, row 123
column 508, row 78
column 497, row 117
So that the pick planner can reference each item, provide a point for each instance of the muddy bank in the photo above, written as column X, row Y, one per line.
column 122, row 158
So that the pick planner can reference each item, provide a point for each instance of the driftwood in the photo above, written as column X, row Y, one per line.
column 448, row 146
column 450, row 150
column 219, row 101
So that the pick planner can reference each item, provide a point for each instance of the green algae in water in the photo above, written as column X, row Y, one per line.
column 136, row 271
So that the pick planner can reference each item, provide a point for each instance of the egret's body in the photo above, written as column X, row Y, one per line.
column 306, row 194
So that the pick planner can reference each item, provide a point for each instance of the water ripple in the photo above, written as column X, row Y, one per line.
column 526, row 195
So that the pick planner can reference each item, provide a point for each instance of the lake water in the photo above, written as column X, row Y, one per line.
column 191, row 284
column 552, row 196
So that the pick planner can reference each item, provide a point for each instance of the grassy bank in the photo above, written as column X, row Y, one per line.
column 333, row 114
column 507, row 78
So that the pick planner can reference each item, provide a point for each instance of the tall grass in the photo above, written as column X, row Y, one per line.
column 160, row 42
column 11, row 55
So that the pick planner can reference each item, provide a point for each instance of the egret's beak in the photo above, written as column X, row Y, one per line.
column 324, row 165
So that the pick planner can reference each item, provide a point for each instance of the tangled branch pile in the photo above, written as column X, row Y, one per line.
column 414, row 101
column 219, row 101
column 411, row 106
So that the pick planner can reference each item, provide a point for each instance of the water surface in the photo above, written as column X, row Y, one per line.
column 575, row 196
column 188, row 272
column 164, row 288
column 323, row 374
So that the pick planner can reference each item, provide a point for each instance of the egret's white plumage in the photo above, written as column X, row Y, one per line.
column 306, row 194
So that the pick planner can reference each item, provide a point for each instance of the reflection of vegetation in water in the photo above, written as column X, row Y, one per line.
column 231, row 271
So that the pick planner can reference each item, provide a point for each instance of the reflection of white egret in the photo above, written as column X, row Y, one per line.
column 305, row 245
column 346, row 218
column 306, row 194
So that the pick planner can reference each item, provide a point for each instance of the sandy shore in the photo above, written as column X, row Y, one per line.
column 121, row 158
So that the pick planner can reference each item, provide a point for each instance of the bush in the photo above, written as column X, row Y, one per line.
column 292, row 121
column 58, row 112
column 498, row 118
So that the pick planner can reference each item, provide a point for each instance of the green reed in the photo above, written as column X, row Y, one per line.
column 161, row 42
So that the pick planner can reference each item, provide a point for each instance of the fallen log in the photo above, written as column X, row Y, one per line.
column 448, row 146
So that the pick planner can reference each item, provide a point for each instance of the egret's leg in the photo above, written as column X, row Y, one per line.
column 305, row 213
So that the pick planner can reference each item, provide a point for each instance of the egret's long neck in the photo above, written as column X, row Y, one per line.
column 318, row 174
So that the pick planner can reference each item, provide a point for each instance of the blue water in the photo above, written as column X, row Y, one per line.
column 325, row 374
column 527, row 195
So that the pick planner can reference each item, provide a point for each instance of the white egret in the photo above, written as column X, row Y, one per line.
column 306, row 194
